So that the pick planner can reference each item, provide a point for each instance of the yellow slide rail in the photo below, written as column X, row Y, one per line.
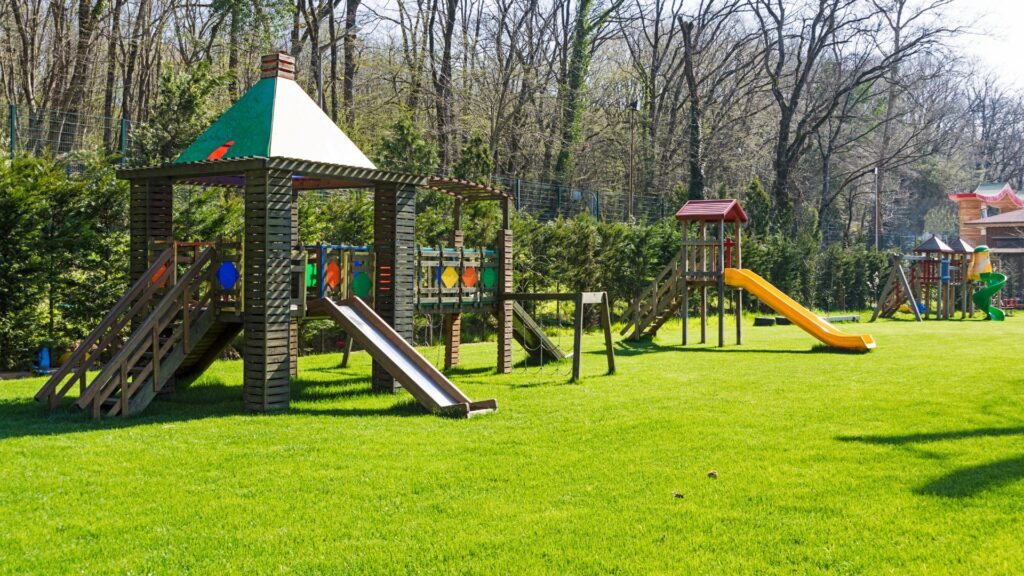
column 797, row 314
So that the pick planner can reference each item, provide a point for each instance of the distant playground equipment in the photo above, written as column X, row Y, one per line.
column 188, row 300
column 991, row 282
column 929, row 283
column 712, row 259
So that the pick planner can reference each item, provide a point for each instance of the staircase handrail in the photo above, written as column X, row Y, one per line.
column 650, row 293
column 84, row 356
column 100, row 389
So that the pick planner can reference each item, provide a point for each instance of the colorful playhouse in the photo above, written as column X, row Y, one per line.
column 187, row 301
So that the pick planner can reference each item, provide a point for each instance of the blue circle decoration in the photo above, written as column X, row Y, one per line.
column 227, row 274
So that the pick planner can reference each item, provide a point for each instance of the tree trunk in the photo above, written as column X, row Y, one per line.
column 348, row 83
column 696, row 188
column 572, row 101
column 234, row 39
column 332, row 33
column 443, row 87
column 134, row 47
column 74, row 99
column 108, row 91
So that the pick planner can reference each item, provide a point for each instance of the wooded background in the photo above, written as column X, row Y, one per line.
column 805, row 109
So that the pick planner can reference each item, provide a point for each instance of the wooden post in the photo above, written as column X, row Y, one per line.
column 686, row 288
column 347, row 352
column 453, row 322
column 293, row 326
column 720, row 265
column 394, row 246
column 577, row 339
column 703, row 251
column 504, row 286
column 606, row 321
column 267, row 286
column 739, row 291
column 152, row 217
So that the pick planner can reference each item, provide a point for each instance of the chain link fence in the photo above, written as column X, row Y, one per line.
column 547, row 202
column 59, row 133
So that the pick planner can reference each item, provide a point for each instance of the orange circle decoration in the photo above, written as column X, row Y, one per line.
column 333, row 276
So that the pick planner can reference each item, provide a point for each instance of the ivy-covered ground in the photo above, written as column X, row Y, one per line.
column 907, row 460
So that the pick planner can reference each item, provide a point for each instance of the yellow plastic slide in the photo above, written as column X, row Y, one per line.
column 802, row 317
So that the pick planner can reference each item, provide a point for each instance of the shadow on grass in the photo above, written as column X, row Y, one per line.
column 207, row 399
column 967, row 482
column 896, row 440
column 963, row 482
column 627, row 348
column 459, row 371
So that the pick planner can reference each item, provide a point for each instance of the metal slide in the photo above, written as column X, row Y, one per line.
column 417, row 375
column 783, row 304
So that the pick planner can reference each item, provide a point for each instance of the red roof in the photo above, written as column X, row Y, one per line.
column 712, row 211
column 990, row 193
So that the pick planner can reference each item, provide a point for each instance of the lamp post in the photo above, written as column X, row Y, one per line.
column 634, row 107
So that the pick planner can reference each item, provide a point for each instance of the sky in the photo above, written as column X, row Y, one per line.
column 998, row 38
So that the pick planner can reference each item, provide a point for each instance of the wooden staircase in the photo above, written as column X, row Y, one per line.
column 177, row 333
column 657, row 303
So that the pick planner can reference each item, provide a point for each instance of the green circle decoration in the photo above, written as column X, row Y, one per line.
column 489, row 277
column 361, row 285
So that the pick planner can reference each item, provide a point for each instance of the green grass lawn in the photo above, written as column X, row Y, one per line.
column 907, row 460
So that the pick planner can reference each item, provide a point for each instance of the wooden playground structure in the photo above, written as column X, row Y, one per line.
column 710, row 258
column 187, row 301
column 717, row 233
column 931, row 283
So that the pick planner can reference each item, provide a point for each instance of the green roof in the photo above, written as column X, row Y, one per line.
column 275, row 118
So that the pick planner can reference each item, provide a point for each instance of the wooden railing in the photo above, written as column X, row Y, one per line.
column 101, row 342
column 139, row 360
column 455, row 277
column 644, row 309
column 340, row 271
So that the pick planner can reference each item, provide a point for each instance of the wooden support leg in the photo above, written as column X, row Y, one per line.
column 267, row 316
column 394, row 248
column 577, row 339
column 606, row 320
column 347, row 352
column 686, row 313
column 504, row 306
column 453, row 339
column 739, row 316
column 703, row 314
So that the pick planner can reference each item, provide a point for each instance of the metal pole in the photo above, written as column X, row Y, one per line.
column 632, row 145
column 13, row 113
column 122, row 144
column 878, row 212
